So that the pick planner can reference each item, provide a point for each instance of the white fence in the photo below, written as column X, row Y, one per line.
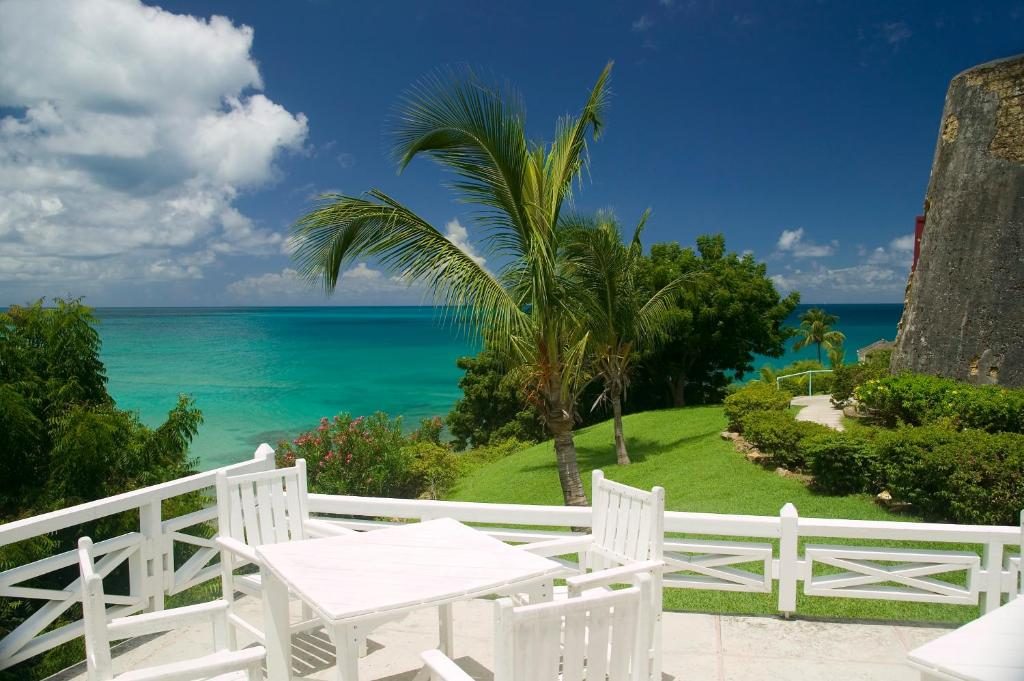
column 757, row 554
column 149, row 554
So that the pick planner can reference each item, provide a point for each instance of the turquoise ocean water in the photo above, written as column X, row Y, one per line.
column 264, row 374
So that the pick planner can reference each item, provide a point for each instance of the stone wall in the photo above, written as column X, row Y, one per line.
column 964, row 311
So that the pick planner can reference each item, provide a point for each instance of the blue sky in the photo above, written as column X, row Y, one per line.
column 157, row 156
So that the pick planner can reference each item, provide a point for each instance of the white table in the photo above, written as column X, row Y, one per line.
column 991, row 648
column 355, row 582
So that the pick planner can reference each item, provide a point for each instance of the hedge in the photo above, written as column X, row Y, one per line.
column 779, row 435
column 918, row 399
column 754, row 396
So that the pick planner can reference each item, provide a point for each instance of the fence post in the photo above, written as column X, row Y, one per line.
column 788, row 564
column 993, row 559
column 266, row 453
column 154, row 556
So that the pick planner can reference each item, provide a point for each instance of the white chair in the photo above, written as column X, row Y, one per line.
column 223, row 664
column 627, row 537
column 256, row 509
column 595, row 637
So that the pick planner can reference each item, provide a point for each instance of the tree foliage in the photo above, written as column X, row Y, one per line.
column 728, row 311
column 63, row 441
column 492, row 406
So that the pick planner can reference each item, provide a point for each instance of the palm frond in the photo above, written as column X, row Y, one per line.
column 343, row 228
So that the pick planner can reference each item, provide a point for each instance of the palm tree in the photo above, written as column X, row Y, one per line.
column 518, row 188
column 816, row 329
column 620, row 318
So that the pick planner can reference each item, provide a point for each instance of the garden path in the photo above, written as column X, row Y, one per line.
column 819, row 409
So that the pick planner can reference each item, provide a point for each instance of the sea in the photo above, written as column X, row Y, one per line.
column 266, row 374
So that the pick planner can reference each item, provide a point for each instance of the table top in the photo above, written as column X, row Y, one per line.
column 991, row 648
column 400, row 568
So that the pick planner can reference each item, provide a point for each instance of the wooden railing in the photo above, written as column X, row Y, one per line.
column 149, row 554
column 708, row 551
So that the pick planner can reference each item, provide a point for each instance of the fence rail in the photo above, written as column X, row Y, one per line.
column 810, row 378
column 704, row 551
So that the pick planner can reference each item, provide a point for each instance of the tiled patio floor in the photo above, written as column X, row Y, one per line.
column 697, row 648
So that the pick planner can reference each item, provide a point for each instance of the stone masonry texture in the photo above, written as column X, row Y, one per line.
column 964, row 311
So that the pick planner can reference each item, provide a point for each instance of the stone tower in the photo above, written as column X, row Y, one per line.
column 964, row 311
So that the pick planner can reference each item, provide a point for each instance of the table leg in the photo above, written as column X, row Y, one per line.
column 275, row 625
column 346, row 647
column 446, row 627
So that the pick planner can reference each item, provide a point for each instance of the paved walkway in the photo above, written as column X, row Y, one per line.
column 697, row 647
column 818, row 408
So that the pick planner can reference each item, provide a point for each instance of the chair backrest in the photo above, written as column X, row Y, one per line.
column 263, row 508
column 628, row 524
column 94, row 616
column 595, row 637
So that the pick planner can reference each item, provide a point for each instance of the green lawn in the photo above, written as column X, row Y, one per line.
column 681, row 450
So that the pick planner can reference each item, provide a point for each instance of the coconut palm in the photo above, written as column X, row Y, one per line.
column 816, row 329
column 621, row 317
column 518, row 188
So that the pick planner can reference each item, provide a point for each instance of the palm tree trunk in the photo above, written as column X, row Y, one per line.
column 819, row 352
column 620, row 440
column 560, row 423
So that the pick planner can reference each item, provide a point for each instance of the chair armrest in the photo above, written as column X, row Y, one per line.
column 322, row 528
column 560, row 546
column 165, row 620
column 442, row 668
column 236, row 547
column 615, row 575
column 203, row 667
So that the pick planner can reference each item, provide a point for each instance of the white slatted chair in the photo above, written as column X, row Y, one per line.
column 256, row 509
column 596, row 637
column 223, row 664
column 627, row 537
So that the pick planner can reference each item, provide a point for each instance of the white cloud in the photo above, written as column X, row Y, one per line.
column 643, row 23
column 895, row 32
column 359, row 284
column 792, row 241
column 880, row 275
column 459, row 235
column 133, row 131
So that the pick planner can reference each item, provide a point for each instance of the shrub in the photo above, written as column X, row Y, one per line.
column 965, row 477
column 779, row 434
column 798, row 385
column 842, row 462
column 754, row 396
column 436, row 467
column 918, row 399
column 360, row 456
column 846, row 378
column 495, row 451
column 906, row 468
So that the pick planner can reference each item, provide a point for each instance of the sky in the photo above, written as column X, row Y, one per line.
column 158, row 154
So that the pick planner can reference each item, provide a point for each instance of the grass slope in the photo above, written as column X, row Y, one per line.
column 681, row 450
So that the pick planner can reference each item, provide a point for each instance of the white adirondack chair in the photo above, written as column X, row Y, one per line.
column 599, row 636
column 627, row 537
column 256, row 509
column 223, row 664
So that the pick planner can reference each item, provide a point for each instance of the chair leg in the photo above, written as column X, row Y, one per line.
column 446, row 628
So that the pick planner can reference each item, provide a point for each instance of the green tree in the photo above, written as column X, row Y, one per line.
column 63, row 441
column 729, row 312
column 492, row 406
column 816, row 329
column 621, row 317
column 518, row 188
